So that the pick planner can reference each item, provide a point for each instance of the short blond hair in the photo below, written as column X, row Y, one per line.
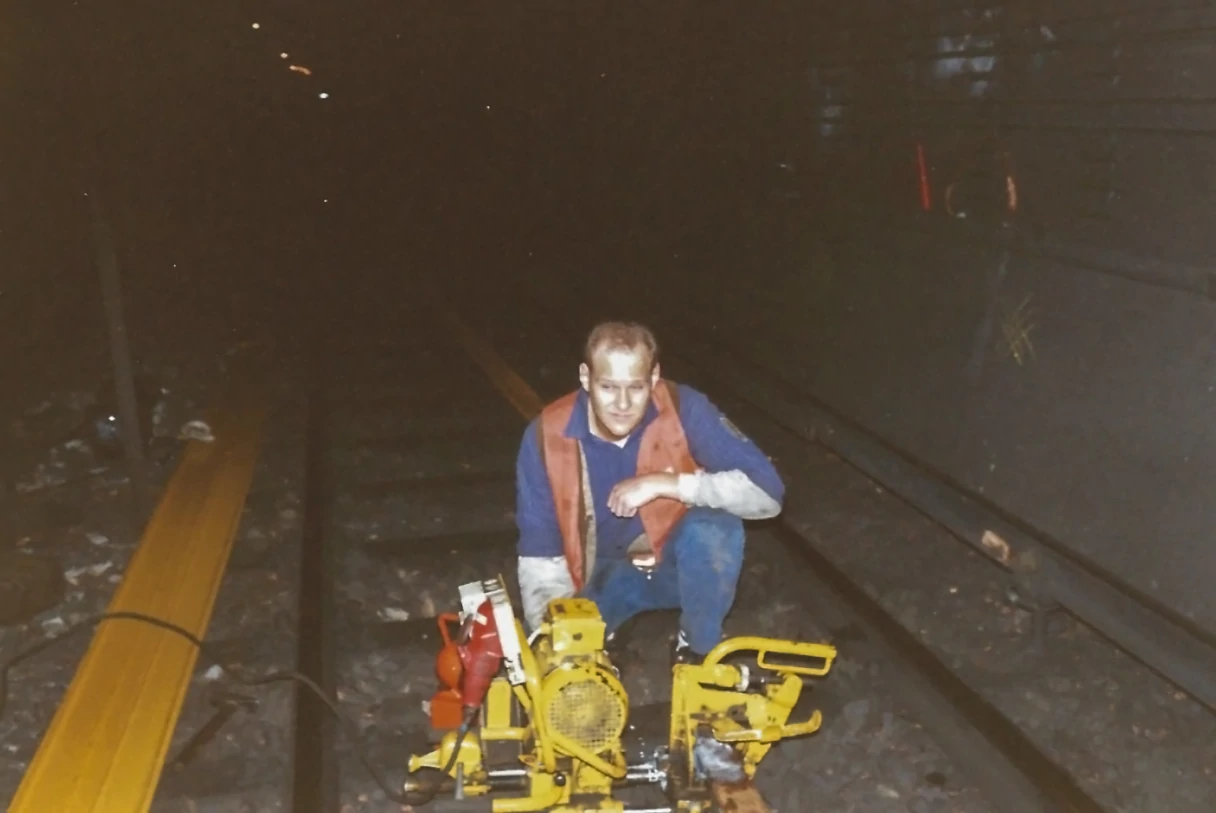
column 621, row 336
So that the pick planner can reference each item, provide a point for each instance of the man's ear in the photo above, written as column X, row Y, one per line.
column 584, row 375
column 655, row 375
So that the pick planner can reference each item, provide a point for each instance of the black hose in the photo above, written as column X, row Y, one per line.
column 234, row 675
column 417, row 798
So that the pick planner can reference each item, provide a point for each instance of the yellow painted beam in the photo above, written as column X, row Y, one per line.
column 106, row 745
column 509, row 383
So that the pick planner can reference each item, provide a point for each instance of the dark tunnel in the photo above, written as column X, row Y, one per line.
column 960, row 245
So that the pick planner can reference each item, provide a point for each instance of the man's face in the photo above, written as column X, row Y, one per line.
column 619, row 383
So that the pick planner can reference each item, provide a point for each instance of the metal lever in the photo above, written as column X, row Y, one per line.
column 227, row 704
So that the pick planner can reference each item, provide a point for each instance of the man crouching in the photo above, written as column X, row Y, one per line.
column 632, row 492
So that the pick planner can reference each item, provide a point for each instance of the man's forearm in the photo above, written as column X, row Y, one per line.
column 731, row 491
column 542, row 579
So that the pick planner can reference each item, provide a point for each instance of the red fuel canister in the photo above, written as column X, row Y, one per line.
column 447, row 704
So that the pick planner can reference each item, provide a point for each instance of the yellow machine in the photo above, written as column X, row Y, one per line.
column 550, row 731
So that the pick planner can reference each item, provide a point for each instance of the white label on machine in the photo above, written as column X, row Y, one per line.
column 508, row 637
column 472, row 596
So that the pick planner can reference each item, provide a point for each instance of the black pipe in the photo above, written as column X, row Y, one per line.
column 315, row 782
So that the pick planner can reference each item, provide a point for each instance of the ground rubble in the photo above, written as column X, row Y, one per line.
column 1129, row 738
column 868, row 756
column 71, row 508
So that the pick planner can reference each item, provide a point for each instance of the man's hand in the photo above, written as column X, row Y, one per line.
column 630, row 495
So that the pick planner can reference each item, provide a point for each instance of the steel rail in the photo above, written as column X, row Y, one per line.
column 315, row 780
column 1007, row 767
column 1164, row 641
column 1015, row 775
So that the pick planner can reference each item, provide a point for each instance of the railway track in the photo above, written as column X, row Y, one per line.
column 406, row 492
column 431, row 492
column 412, row 426
column 410, row 493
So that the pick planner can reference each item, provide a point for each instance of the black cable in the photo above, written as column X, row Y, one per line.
column 419, row 798
column 233, row 675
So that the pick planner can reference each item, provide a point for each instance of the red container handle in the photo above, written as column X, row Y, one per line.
column 444, row 619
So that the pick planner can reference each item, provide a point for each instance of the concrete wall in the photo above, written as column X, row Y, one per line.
column 1056, row 357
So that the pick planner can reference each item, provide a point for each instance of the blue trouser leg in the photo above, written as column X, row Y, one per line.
column 698, row 575
column 621, row 591
column 707, row 549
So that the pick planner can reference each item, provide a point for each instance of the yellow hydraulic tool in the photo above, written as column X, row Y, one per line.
column 549, row 733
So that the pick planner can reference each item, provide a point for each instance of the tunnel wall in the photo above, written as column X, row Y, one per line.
column 989, row 243
column 760, row 166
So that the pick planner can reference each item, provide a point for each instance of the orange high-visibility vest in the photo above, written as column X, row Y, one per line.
column 664, row 448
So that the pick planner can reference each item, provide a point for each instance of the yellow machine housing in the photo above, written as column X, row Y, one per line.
column 584, row 705
column 557, row 735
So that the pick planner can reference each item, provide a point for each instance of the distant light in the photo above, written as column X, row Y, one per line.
column 257, row 25
column 283, row 55
column 487, row 107
column 323, row 95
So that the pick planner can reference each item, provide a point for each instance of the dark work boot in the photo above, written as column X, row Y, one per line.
column 681, row 652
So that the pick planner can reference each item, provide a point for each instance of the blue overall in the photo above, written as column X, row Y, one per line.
column 697, row 575
column 702, row 558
